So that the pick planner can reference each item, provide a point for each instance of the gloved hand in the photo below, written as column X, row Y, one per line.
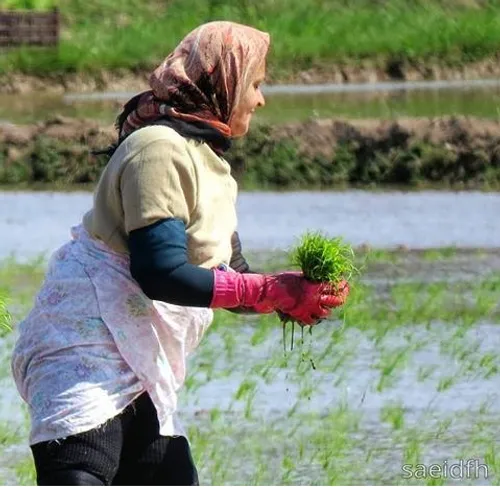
column 340, row 293
column 301, row 299
column 332, row 296
column 288, row 292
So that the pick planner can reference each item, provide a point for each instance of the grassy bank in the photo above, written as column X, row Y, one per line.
column 457, row 153
column 136, row 34
column 402, row 376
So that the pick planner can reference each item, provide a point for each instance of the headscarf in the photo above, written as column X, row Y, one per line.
column 201, row 81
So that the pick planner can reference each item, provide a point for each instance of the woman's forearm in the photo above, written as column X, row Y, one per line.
column 159, row 264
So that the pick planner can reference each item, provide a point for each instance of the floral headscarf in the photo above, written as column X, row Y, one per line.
column 203, row 79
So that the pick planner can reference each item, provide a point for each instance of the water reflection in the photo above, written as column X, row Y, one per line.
column 282, row 106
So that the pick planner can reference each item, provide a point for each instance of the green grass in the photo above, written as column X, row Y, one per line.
column 29, row 4
column 135, row 34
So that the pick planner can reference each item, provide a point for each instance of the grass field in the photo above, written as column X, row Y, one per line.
column 136, row 34
column 404, row 375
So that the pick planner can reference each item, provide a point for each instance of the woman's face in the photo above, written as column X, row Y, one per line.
column 250, row 100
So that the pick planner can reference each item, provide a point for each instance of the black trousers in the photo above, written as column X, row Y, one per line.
column 127, row 450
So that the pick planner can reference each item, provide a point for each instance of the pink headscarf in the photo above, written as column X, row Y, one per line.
column 203, row 78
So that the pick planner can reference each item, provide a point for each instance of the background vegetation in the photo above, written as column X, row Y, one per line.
column 137, row 34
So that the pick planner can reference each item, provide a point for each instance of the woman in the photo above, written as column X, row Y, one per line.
column 102, row 354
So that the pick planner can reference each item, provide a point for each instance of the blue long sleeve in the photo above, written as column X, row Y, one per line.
column 159, row 263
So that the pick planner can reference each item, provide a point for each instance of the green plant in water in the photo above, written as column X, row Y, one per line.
column 445, row 383
column 394, row 415
column 25, row 471
column 5, row 318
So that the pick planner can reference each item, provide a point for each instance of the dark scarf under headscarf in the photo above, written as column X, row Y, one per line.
column 196, row 130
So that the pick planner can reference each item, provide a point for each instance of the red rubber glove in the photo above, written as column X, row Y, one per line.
column 334, row 300
column 288, row 292
column 332, row 296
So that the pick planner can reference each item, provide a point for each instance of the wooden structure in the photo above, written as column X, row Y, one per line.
column 29, row 28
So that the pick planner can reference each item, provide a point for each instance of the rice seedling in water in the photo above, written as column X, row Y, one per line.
column 5, row 318
column 446, row 383
column 435, row 481
column 412, row 452
column 394, row 415
column 391, row 363
column 492, row 460
column 424, row 372
column 9, row 434
column 25, row 472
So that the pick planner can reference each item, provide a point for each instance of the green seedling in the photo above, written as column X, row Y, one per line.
column 324, row 259
column 321, row 259
column 5, row 318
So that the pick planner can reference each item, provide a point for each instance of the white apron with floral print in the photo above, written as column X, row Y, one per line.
column 94, row 341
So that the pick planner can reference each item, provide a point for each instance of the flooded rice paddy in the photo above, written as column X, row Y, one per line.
column 399, row 387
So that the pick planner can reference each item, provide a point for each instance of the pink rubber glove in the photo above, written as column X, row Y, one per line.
column 288, row 292
column 335, row 296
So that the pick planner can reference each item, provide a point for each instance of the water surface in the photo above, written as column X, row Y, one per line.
column 35, row 222
column 294, row 103
column 445, row 388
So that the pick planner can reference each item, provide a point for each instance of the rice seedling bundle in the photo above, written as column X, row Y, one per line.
column 321, row 259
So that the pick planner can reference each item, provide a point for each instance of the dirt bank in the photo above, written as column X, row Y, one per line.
column 349, row 72
column 444, row 152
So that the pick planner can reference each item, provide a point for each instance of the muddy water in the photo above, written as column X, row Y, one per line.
column 32, row 223
column 479, row 98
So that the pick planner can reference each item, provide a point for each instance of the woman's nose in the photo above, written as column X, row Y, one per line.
column 262, row 101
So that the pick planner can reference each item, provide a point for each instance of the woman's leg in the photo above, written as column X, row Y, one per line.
column 151, row 459
column 89, row 458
